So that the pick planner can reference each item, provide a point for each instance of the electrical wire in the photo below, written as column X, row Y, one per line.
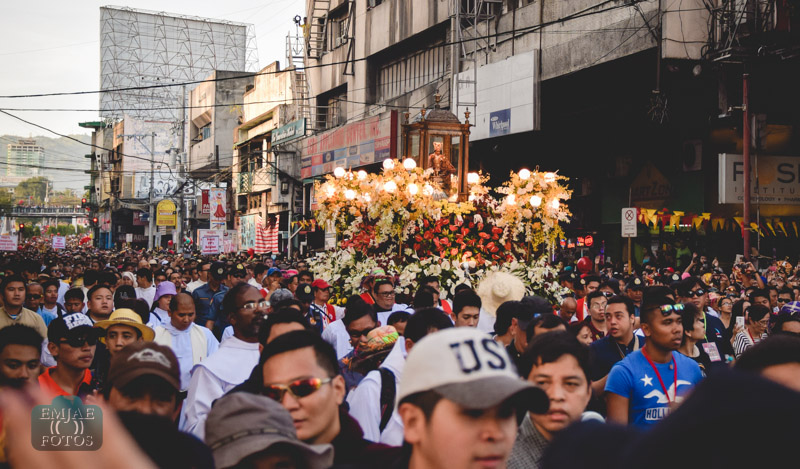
column 589, row 11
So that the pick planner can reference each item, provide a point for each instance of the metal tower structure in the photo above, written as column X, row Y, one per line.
column 140, row 48
column 466, row 16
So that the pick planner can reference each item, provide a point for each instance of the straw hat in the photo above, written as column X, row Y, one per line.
column 126, row 317
column 497, row 288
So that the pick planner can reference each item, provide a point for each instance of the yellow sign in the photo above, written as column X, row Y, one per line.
column 166, row 214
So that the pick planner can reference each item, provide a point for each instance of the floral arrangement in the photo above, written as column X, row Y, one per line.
column 401, row 221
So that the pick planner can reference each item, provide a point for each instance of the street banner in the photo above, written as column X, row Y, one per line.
column 59, row 242
column 218, row 215
column 205, row 206
column 9, row 242
column 210, row 241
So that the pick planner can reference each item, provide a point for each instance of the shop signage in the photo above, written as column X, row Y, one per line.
column 166, row 213
column 291, row 131
column 778, row 180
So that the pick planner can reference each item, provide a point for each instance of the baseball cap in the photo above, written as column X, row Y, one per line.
column 70, row 325
column 320, row 284
column 304, row 292
column 470, row 369
column 635, row 283
column 126, row 317
column 237, row 269
column 273, row 270
column 144, row 358
column 217, row 269
column 532, row 306
column 241, row 424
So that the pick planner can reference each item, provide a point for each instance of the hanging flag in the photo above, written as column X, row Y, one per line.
column 739, row 221
column 267, row 235
column 783, row 228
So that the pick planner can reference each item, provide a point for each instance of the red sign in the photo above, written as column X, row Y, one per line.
column 205, row 208
column 588, row 240
column 580, row 240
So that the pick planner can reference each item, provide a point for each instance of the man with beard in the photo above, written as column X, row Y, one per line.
column 232, row 363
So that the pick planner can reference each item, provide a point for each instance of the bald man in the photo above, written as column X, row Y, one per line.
column 568, row 308
column 190, row 342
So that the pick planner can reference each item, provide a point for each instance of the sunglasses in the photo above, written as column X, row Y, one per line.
column 78, row 341
column 666, row 310
column 298, row 389
column 784, row 300
column 361, row 333
column 696, row 293
column 253, row 305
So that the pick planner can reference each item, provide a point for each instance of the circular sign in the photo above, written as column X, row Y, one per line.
column 588, row 241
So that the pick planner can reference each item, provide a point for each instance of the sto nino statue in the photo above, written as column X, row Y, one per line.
column 441, row 166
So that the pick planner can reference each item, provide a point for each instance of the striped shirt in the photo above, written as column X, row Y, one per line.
column 743, row 342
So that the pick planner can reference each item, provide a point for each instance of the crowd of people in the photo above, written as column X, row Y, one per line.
column 244, row 362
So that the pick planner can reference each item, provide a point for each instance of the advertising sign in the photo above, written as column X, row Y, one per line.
column 291, row 131
column 361, row 143
column 210, row 241
column 218, row 207
column 9, row 242
column 59, row 242
column 205, row 205
column 500, row 123
column 247, row 231
column 778, row 180
column 166, row 213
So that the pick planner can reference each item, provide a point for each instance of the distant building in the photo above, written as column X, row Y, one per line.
column 25, row 159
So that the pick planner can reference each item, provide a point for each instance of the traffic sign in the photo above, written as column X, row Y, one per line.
column 629, row 228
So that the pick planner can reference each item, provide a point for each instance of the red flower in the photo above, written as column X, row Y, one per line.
column 480, row 226
column 484, row 235
column 418, row 238
column 453, row 251
column 495, row 237
column 425, row 222
column 445, row 241
column 464, row 231
column 453, row 228
column 496, row 230
column 416, row 246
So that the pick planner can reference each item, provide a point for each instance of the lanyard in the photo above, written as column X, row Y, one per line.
column 635, row 347
column 658, row 375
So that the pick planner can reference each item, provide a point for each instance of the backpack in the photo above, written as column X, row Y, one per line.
column 388, row 392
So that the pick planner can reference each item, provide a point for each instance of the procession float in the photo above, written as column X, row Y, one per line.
column 425, row 214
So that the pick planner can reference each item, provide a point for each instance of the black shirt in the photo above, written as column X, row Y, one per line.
column 516, row 357
column 606, row 352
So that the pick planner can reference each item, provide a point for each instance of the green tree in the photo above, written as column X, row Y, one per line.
column 35, row 187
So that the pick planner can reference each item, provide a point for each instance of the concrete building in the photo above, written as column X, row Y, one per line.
column 265, row 168
column 25, row 159
column 215, row 110
column 623, row 97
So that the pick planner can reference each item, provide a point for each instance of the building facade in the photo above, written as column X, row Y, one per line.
column 24, row 159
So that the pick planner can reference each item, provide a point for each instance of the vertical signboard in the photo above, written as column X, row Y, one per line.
column 218, row 207
column 629, row 228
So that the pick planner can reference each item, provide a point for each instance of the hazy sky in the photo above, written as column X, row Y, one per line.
column 53, row 46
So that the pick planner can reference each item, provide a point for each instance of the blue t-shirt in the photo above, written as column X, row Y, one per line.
column 635, row 379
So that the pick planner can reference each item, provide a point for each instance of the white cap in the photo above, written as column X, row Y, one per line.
column 467, row 367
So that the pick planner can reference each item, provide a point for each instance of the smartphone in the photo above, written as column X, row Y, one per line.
column 740, row 321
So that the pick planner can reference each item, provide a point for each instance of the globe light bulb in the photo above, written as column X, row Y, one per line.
column 549, row 177
column 362, row 175
column 413, row 189
column 536, row 200
column 524, row 174
column 511, row 199
column 409, row 164
column 349, row 194
column 555, row 204
column 338, row 172
column 473, row 178
column 390, row 186
column 388, row 164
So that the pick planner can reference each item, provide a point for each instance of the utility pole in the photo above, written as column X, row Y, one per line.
column 181, row 173
column 746, row 163
column 151, row 208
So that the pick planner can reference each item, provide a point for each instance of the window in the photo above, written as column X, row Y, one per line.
column 411, row 72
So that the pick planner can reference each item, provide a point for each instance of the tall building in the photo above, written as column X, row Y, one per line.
column 25, row 159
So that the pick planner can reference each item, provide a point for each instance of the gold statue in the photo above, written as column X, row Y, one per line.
column 441, row 166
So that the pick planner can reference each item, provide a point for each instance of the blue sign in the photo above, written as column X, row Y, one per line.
column 500, row 123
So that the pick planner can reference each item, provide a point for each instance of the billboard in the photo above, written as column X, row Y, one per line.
column 507, row 97
column 778, row 180
column 218, row 216
column 247, row 231
column 140, row 47
column 357, row 144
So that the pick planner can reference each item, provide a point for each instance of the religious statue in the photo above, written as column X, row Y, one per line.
column 441, row 166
